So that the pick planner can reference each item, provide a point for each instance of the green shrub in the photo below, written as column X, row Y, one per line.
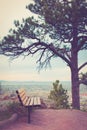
column 11, row 108
column 59, row 95
column 83, row 105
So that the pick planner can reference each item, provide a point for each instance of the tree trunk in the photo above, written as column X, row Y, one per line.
column 75, row 91
column 74, row 63
column 75, row 81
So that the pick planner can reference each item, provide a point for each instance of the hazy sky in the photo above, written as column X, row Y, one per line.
column 25, row 69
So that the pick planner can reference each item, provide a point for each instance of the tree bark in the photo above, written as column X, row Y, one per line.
column 75, row 81
column 75, row 92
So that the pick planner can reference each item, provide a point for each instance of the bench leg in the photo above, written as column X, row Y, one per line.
column 29, row 110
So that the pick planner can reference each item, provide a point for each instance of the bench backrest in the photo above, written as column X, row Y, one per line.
column 27, row 101
column 21, row 95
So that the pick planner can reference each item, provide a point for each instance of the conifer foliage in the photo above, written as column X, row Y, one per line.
column 59, row 95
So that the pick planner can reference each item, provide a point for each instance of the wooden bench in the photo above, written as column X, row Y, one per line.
column 28, row 102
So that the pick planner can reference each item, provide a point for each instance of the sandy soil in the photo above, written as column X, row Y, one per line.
column 49, row 119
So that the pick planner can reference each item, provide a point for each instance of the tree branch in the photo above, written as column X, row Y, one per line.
column 82, row 66
column 83, row 82
column 82, row 43
column 50, row 47
column 83, row 78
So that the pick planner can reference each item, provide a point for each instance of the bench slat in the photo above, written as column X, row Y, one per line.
column 27, row 103
column 38, row 101
column 25, row 100
column 23, row 97
column 31, row 101
column 35, row 100
column 22, row 93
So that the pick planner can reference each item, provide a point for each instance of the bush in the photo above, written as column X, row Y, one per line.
column 15, row 107
column 11, row 108
column 59, row 95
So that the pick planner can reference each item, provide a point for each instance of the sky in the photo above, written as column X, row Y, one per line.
column 26, row 69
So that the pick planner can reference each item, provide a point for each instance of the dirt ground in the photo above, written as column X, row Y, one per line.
column 49, row 119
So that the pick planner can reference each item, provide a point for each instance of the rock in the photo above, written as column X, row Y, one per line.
column 43, row 104
column 9, row 121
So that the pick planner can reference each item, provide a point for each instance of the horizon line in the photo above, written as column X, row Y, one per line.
column 33, row 80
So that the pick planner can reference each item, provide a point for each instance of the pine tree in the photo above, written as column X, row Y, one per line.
column 59, row 95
